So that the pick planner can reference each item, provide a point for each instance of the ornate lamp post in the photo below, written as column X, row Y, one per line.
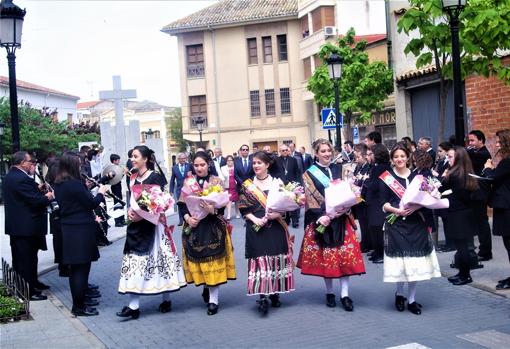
column 454, row 8
column 2, row 129
column 11, row 25
column 335, row 73
column 149, row 134
column 199, row 121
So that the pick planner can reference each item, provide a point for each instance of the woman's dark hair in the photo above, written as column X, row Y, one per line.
column 504, row 143
column 381, row 154
column 202, row 155
column 462, row 167
column 264, row 157
column 68, row 167
column 422, row 159
column 91, row 153
column 400, row 146
column 148, row 154
column 229, row 157
column 51, row 175
column 361, row 148
column 445, row 146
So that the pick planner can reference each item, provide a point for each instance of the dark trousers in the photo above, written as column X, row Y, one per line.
column 377, row 235
column 78, row 282
column 463, row 257
column 443, row 214
column 506, row 242
column 484, row 231
column 362, row 216
column 56, row 231
column 24, row 258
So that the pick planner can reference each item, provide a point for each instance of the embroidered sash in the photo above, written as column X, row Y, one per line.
column 261, row 198
column 319, row 175
column 393, row 184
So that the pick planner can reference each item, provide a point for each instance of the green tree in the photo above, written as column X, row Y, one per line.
column 363, row 86
column 174, row 127
column 41, row 135
column 484, row 35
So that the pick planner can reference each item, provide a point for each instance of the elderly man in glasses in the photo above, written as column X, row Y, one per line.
column 243, row 166
column 26, row 220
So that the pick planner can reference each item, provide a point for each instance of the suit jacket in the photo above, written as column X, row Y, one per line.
column 218, row 165
column 442, row 166
column 307, row 161
column 76, row 202
column 479, row 157
column 500, row 194
column 177, row 179
column 239, row 173
column 288, row 169
column 432, row 153
column 376, row 216
column 24, row 205
column 222, row 161
column 299, row 158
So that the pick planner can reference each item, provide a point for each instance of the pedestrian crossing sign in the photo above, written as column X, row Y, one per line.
column 328, row 116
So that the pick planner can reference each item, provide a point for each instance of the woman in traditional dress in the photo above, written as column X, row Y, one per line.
column 461, row 218
column 268, row 243
column 208, row 256
column 335, row 254
column 409, row 254
column 150, row 264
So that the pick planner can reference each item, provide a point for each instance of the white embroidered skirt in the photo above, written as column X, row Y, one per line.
column 405, row 269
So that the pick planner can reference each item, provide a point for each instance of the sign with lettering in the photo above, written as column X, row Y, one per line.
column 384, row 117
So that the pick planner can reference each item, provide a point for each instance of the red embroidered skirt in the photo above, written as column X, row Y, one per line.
column 330, row 262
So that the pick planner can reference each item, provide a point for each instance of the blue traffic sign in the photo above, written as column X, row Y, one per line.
column 355, row 135
column 328, row 116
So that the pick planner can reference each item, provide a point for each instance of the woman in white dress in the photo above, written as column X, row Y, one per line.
column 150, row 264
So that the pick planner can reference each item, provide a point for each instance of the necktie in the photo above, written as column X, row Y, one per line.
column 182, row 170
column 245, row 165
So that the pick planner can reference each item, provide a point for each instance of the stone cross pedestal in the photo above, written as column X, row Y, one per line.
column 118, row 95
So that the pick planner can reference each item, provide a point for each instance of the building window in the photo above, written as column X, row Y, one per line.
column 282, row 47
column 198, row 108
column 195, row 59
column 268, row 49
column 307, row 66
column 252, row 51
column 254, row 103
column 323, row 16
column 304, row 26
column 270, row 109
column 285, row 100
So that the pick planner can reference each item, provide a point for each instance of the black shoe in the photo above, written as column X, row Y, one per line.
column 40, row 286
column 347, row 303
column 92, row 286
column 179, row 224
column 165, row 307
column 504, row 281
column 93, row 294
column 212, row 309
column 263, row 305
column 378, row 260
column 447, row 249
column 87, row 311
column 275, row 300
column 462, row 281
column 330, row 300
column 128, row 312
column 400, row 302
column 89, row 302
column 505, row 285
column 484, row 258
column 38, row 297
column 414, row 308
column 453, row 278
column 205, row 295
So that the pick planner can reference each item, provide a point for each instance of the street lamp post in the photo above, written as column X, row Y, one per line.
column 11, row 25
column 453, row 8
column 199, row 121
column 335, row 73
column 149, row 134
column 2, row 129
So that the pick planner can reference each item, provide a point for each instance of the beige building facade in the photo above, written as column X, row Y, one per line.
column 244, row 67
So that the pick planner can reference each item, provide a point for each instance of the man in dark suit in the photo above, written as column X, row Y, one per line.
column 479, row 155
column 289, row 172
column 425, row 143
column 218, row 160
column 117, row 191
column 307, row 158
column 25, row 220
column 179, row 173
column 299, row 158
column 243, row 166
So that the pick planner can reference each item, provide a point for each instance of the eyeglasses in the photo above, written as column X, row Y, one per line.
column 244, row 149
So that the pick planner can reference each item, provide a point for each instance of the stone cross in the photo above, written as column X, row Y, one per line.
column 118, row 95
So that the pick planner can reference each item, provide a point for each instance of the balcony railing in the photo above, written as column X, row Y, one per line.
column 196, row 70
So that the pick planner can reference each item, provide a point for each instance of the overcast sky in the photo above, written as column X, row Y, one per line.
column 76, row 46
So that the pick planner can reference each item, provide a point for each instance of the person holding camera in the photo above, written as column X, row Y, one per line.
column 25, row 220
column 78, row 225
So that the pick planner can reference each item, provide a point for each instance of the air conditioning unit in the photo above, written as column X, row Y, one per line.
column 329, row 31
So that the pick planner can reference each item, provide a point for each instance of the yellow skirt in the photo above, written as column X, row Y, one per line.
column 211, row 273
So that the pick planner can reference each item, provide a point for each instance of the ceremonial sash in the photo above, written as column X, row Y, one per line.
column 261, row 197
column 319, row 175
column 393, row 184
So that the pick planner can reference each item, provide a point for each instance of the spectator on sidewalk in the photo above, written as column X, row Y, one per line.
column 26, row 220
column 117, row 191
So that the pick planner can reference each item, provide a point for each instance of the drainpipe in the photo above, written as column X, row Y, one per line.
column 388, row 33
column 217, row 107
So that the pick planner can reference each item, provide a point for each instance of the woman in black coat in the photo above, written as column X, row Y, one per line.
column 78, row 225
column 500, row 195
column 461, row 219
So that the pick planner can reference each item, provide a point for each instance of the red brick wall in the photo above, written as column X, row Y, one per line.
column 489, row 100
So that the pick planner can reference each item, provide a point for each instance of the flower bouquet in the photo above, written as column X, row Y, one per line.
column 422, row 192
column 283, row 198
column 340, row 196
column 149, row 201
column 194, row 195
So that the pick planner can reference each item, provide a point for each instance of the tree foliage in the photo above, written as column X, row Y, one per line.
column 40, row 134
column 484, row 35
column 364, row 85
column 174, row 127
